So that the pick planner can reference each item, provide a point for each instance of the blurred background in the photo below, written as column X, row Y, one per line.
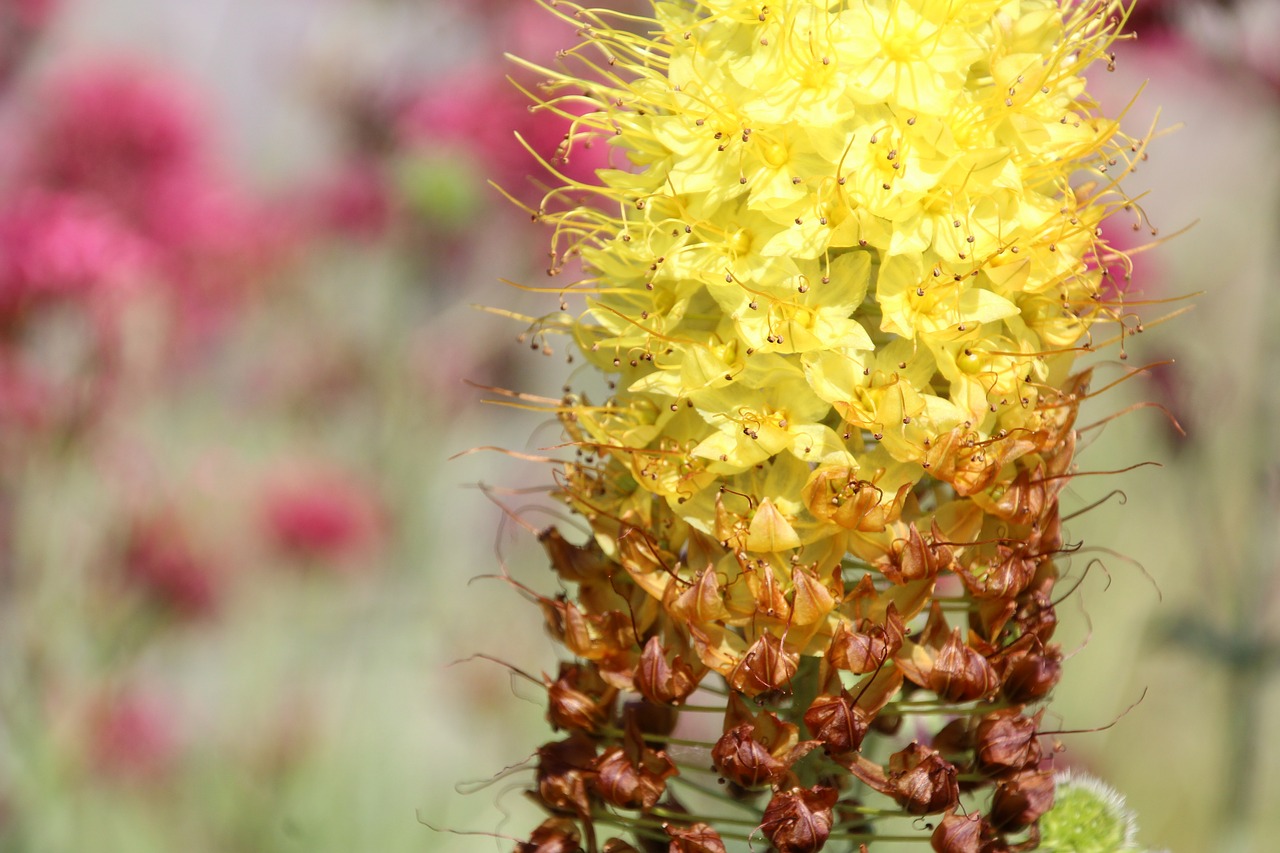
column 241, row 243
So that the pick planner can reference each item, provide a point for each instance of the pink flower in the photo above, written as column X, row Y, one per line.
column 32, row 14
column 161, row 560
column 117, row 131
column 316, row 513
column 355, row 201
column 59, row 246
column 132, row 736
column 137, row 144
column 472, row 116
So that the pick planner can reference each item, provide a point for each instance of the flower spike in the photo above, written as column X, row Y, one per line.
column 837, row 280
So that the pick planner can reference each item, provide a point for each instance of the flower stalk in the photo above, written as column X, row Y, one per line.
column 832, row 295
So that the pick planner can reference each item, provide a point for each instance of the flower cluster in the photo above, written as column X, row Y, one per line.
column 837, row 281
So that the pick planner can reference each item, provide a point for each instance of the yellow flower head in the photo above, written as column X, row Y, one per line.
column 837, row 232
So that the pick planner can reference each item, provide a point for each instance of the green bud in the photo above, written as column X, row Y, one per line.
column 1088, row 816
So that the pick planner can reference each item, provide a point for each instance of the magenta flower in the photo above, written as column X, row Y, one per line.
column 161, row 560
column 132, row 737
column 60, row 246
column 321, row 514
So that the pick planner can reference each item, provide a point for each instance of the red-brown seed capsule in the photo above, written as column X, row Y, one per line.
column 1030, row 674
column 699, row 838
column 799, row 820
column 838, row 723
column 632, row 781
column 745, row 761
column 969, row 833
column 922, row 781
column 564, row 771
column 1006, row 741
column 663, row 681
column 867, row 648
column 554, row 835
column 961, row 674
column 1019, row 801
column 579, row 700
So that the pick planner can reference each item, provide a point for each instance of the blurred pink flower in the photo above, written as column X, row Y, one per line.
column 132, row 737
column 29, row 13
column 162, row 561
column 117, row 130
column 355, row 201
column 320, row 513
column 1138, row 278
column 138, row 143
column 473, row 114
column 59, row 246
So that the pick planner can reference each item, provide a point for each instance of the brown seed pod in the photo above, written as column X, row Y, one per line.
column 765, row 667
column 1031, row 672
column 799, row 820
column 867, row 647
column 699, row 838
column 757, row 748
column 838, row 723
column 632, row 776
column 1006, row 741
column 915, row 558
column 628, row 784
column 1035, row 615
column 745, row 761
column 969, row 833
column 663, row 681
column 1001, row 575
column 564, row 771
column 579, row 700
column 961, row 674
column 1020, row 800
column 553, row 835
column 922, row 781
